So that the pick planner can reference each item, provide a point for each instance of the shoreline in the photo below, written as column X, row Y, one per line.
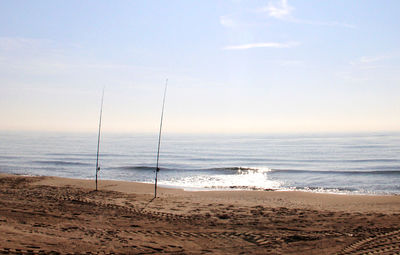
column 276, row 198
column 228, row 189
column 54, row 215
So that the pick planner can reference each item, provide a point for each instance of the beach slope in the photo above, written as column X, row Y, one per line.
column 60, row 215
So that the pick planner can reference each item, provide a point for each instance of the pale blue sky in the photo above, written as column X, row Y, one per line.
column 233, row 66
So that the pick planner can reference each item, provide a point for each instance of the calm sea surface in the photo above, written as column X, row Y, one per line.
column 338, row 163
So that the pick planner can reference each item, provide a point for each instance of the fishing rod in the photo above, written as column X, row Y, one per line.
column 159, row 139
column 98, row 138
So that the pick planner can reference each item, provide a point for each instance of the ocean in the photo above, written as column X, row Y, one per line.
column 356, row 163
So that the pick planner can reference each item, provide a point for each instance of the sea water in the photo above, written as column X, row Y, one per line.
column 366, row 163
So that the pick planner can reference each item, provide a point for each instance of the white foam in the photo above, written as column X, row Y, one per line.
column 245, row 178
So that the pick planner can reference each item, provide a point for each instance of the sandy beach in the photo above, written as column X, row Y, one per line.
column 42, row 215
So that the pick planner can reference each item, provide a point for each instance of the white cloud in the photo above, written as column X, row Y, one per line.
column 226, row 21
column 369, row 68
column 292, row 63
column 368, row 62
column 19, row 43
column 283, row 11
column 279, row 11
column 369, row 59
column 321, row 23
column 262, row 45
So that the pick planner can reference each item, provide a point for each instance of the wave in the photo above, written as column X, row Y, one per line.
column 331, row 190
column 69, row 154
column 243, row 170
column 215, row 169
column 8, row 157
column 386, row 160
column 294, row 171
column 239, row 187
column 365, row 146
column 240, row 169
column 324, row 188
column 139, row 168
column 61, row 162
column 87, row 154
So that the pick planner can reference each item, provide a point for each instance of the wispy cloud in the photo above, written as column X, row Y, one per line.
column 371, row 67
column 262, row 45
column 227, row 21
column 292, row 63
column 372, row 59
column 20, row 43
column 279, row 10
column 322, row 23
column 368, row 62
column 283, row 11
column 33, row 56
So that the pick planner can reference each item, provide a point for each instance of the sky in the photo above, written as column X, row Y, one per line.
column 232, row 66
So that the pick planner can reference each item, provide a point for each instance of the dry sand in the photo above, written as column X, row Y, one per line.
column 59, row 215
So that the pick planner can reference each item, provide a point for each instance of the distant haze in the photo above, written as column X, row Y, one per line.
column 233, row 66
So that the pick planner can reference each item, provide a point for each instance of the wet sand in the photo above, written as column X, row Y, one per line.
column 45, row 215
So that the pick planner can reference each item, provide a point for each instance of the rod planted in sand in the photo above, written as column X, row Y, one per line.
column 159, row 139
column 98, row 139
